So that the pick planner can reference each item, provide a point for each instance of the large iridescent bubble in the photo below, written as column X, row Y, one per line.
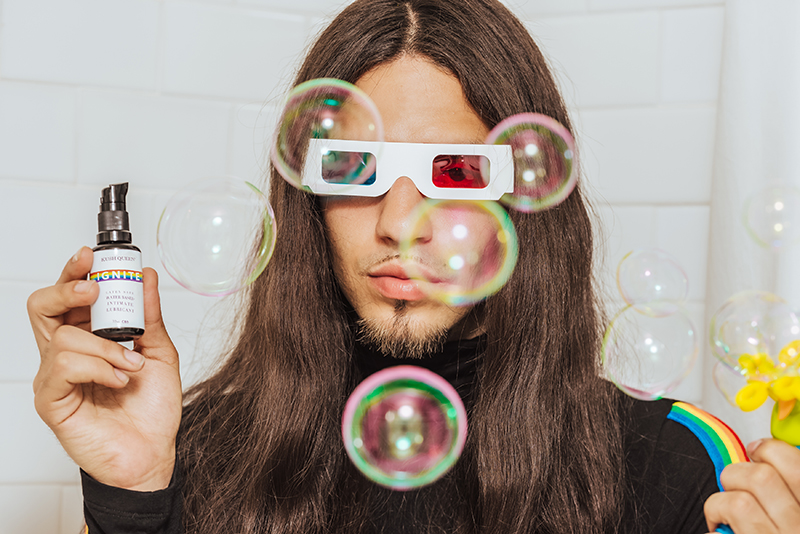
column 216, row 235
column 461, row 251
column 729, row 381
column 543, row 151
column 756, row 336
column 652, row 281
column 648, row 356
column 404, row 427
column 772, row 216
column 754, row 323
column 326, row 108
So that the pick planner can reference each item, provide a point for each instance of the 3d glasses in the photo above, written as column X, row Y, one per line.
column 439, row 171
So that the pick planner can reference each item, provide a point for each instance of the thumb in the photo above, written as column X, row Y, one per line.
column 155, row 342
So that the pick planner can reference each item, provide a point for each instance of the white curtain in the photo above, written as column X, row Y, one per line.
column 757, row 145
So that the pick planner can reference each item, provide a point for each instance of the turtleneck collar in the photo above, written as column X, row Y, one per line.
column 457, row 362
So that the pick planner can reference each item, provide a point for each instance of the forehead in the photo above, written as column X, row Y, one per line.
column 422, row 103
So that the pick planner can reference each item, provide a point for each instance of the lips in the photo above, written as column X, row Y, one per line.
column 392, row 282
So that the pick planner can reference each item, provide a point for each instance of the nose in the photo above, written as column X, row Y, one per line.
column 396, row 207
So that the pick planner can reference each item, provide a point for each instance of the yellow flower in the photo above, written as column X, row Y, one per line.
column 748, row 363
column 752, row 396
column 790, row 353
column 758, row 364
column 783, row 389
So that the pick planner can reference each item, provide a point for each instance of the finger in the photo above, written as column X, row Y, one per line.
column 77, row 267
column 80, row 317
column 766, row 485
column 47, row 306
column 155, row 343
column 783, row 457
column 70, row 338
column 740, row 511
column 54, row 400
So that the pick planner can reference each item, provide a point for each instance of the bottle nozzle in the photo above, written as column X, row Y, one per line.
column 113, row 197
column 112, row 221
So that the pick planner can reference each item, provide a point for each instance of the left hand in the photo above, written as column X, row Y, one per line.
column 762, row 496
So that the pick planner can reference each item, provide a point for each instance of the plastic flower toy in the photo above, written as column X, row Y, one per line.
column 780, row 382
column 756, row 336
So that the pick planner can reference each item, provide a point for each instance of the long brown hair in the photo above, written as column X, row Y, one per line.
column 259, row 444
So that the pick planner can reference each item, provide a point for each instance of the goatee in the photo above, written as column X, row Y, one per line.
column 400, row 336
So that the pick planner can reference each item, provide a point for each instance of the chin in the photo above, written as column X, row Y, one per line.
column 409, row 330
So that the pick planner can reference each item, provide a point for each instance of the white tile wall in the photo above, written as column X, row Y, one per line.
column 253, row 131
column 156, row 141
column 656, row 155
column 29, row 452
column 37, row 132
column 690, row 389
column 538, row 8
column 198, row 326
column 71, row 510
column 229, row 53
column 683, row 232
column 325, row 7
column 691, row 53
column 604, row 59
column 164, row 92
column 648, row 4
column 47, row 224
column 19, row 359
column 621, row 230
column 31, row 509
column 94, row 42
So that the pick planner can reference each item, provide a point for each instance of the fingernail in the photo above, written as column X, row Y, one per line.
column 134, row 357
column 751, row 448
column 122, row 376
column 77, row 255
column 83, row 286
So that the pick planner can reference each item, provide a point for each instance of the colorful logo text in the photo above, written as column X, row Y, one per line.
column 104, row 276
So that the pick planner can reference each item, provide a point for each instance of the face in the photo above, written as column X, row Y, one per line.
column 419, row 103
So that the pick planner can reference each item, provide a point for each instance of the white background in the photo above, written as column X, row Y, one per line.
column 161, row 92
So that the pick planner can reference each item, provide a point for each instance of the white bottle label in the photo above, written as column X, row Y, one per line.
column 120, row 304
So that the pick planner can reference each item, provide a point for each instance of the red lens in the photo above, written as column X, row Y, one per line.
column 460, row 172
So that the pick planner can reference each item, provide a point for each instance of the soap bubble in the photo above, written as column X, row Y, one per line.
column 327, row 108
column 647, row 356
column 461, row 251
column 404, row 427
column 652, row 281
column 755, row 323
column 772, row 216
column 544, row 160
column 216, row 235
column 729, row 381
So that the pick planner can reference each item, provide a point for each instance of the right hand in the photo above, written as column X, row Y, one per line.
column 116, row 418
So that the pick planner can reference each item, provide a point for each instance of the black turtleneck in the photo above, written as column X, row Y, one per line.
column 670, row 472
column 432, row 508
column 456, row 362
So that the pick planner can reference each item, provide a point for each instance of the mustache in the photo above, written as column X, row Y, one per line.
column 412, row 264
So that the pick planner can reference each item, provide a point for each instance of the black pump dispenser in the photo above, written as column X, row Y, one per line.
column 113, row 225
column 118, row 312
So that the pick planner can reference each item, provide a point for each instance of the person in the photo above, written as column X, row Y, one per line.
column 256, row 447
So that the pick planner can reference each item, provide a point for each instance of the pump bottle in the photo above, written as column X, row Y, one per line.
column 118, row 312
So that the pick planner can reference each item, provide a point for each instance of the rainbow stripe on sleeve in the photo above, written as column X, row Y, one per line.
column 722, row 444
